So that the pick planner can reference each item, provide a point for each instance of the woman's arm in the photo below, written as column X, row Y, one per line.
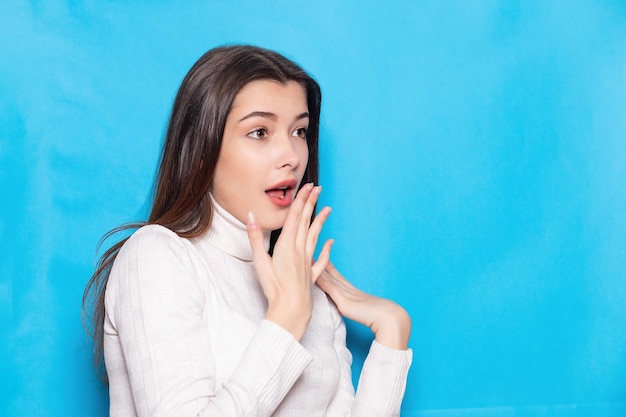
column 160, row 354
column 382, row 382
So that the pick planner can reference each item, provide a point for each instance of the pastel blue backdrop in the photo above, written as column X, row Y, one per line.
column 473, row 152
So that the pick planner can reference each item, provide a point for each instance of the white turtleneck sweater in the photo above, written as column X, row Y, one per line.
column 185, row 335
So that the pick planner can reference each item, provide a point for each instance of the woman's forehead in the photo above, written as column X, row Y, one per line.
column 271, row 96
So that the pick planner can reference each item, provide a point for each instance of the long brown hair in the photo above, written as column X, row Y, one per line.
column 190, row 152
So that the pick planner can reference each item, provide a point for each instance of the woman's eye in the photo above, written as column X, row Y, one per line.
column 258, row 134
column 300, row 132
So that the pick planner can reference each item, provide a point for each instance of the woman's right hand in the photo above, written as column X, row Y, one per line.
column 389, row 321
column 288, row 276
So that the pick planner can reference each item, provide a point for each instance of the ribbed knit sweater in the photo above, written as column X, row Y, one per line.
column 185, row 335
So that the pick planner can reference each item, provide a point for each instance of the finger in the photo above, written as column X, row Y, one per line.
column 305, row 220
column 340, row 281
column 315, row 230
column 345, row 297
column 322, row 261
column 326, row 283
column 290, row 228
column 332, row 270
column 259, row 255
column 336, row 285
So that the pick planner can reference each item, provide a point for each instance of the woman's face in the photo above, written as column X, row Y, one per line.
column 264, row 152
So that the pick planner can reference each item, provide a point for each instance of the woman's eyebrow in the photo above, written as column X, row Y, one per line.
column 264, row 114
column 271, row 116
column 301, row 116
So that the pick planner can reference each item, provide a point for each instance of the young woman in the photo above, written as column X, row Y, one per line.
column 193, row 315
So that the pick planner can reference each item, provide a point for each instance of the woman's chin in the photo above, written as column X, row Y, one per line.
column 273, row 223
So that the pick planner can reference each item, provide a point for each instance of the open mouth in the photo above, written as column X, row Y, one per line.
column 282, row 194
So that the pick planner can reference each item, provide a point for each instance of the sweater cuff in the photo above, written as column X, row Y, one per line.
column 383, row 380
column 272, row 363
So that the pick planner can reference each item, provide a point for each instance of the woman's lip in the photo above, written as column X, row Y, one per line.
column 282, row 193
column 281, row 198
column 289, row 184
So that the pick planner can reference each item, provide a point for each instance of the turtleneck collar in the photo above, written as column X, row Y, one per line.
column 229, row 234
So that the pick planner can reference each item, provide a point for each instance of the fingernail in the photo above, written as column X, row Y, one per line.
column 251, row 220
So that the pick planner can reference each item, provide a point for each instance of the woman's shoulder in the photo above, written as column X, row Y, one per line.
column 154, row 241
column 153, row 261
column 154, row 254
column 154, row 232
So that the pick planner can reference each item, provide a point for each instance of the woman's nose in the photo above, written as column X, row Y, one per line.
column 287, row 154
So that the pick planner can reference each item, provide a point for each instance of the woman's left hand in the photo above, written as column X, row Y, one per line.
column 389, row 321
column 287, row 277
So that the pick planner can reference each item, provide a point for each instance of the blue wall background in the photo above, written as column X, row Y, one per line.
column 473, row 152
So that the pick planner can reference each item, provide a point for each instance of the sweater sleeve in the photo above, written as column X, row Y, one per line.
column 382, row 382
column 155, row 309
